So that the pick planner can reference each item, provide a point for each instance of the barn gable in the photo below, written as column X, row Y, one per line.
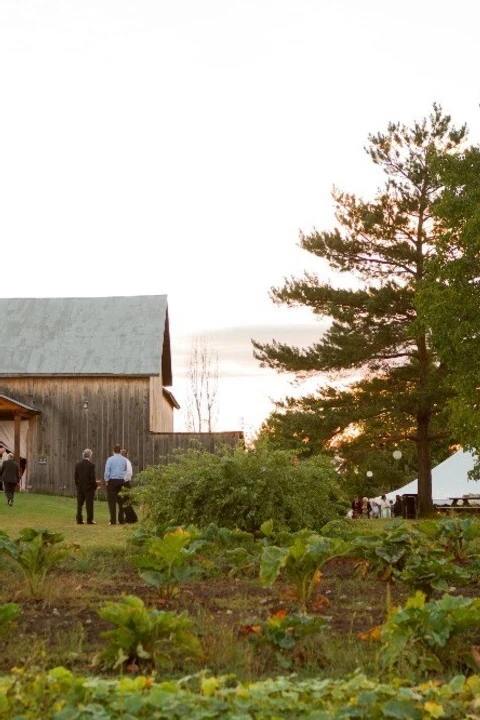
column 126, row 336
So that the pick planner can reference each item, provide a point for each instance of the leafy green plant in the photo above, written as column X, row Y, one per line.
column 60, row 695
column 9, row 614
column 37, row 553
column 425, row 636
column 456, row 533
column 283, row 633
column 381, row 554
column 229, row 551
column 145, row 636
column 7, row 546
column 168, row 561
column 431, row 570
column 301, row 562
column 417, row 557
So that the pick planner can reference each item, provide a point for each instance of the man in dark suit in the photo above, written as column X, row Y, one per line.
column 86, row 485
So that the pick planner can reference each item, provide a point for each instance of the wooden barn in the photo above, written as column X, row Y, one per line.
column 87, row 372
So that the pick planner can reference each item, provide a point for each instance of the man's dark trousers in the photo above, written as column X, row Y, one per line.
column 113, row 488
column 86, row 485
column 87, row 496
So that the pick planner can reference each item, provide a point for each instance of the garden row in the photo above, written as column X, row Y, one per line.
column 59, row 695
column 424, row 635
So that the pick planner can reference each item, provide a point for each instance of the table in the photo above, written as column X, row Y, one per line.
column 465, row 500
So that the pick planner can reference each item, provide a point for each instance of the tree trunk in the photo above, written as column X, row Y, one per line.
column 425, row 502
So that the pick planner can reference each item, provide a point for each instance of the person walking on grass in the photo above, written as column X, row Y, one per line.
column 10, row 475
column 114, row 476
column 86, row 484
column 3, row 457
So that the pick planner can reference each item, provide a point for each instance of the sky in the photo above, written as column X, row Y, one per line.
column 179, row 147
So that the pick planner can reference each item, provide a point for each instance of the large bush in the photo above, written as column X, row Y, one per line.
column 238, row 488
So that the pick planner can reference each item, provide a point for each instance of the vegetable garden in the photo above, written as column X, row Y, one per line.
column 352, row 619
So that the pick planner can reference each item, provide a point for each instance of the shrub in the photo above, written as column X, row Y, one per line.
column 238, row 488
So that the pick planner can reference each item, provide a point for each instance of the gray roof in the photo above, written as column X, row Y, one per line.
column 85, row 336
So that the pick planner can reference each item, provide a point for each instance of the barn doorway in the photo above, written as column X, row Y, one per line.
column 15, row 432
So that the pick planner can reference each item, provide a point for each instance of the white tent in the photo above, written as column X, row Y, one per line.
column 449, row 479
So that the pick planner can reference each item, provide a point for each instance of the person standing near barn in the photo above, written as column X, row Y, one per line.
column 10, row 475
column 3, row 456
column 86, row 485
column 114, row 476
column 127, row 513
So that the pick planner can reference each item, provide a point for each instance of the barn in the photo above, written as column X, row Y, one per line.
column 87, row 372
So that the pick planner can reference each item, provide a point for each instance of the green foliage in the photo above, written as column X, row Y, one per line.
column 374, row 330
column 283, row 633
column 423, row 636
column 7, row 546
column 450, row 295
column 419, row 557
column 145, row 637
column 301, row 562
column 242, row 489
column 455, row 534
column 231, row 551
column 168, row 561
column 431, row 570
column 383, row 554
column 59, row 695
column 9, row 614
column 36, row 554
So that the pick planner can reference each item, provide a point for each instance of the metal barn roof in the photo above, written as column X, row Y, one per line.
column 85, row 336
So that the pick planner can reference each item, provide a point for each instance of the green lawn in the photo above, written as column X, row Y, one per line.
column 58, row 515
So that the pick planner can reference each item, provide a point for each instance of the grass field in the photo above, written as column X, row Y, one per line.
column 58, row 515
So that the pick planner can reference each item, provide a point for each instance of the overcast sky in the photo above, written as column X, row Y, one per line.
column 178, row 147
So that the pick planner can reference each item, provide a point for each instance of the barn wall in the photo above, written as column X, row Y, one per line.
column 161, row 413
column 118, row 411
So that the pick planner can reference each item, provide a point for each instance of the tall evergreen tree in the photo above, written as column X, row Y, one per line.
column 385, row 245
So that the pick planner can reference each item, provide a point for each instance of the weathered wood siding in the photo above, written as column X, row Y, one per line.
column 161, row 412
column 118, row 411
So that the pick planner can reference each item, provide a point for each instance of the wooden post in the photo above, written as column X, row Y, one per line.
column 17, row 419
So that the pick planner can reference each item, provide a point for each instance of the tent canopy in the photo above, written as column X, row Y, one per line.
column 449, row 479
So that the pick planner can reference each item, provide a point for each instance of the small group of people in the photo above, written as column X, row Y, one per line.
column 375, row 508
column 117, row 476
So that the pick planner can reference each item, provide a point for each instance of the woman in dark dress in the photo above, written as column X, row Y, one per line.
column 10, row 474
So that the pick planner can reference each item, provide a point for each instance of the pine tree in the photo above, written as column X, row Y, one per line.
column 376, row 334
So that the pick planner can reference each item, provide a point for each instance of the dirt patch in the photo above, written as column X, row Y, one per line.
column 65, row 627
